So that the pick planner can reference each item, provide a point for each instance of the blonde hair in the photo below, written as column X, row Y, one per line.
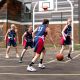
column 69, row 20
column 13, row 25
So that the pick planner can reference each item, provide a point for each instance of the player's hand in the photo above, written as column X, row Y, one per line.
column 22, row 43
column 71, row 38
column 18, row 42
column 64, row 38
column 4, row 39
column 54, row 46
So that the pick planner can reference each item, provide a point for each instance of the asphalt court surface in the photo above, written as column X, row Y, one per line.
column 11, row 69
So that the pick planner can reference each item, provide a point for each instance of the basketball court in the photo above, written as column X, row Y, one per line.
column 11, row 69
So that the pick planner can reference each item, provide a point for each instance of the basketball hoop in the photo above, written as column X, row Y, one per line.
column 45, row 8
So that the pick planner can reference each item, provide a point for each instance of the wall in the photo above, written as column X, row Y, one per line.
column 20, row 29
column 56, row 33
column 55, row 29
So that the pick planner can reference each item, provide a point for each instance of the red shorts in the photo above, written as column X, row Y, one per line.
column 38, row 45
column 65, row 42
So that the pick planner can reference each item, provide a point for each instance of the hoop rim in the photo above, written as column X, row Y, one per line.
column 45, row 8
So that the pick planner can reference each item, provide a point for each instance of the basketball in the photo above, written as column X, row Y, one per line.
column 59, row 57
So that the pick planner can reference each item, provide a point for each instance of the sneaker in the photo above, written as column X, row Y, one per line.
column 69, row 56
column 31, row 69
column 41, row 66
column 20, row 61
column 7, row 56
column 17, row 55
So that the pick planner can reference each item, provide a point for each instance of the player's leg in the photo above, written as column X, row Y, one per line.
column 22, row 54
column 63, row 42
column 31, row 44
column 7, row 52
column 8, row 48
column 17, row 54
column 42, row 58
column 62, row 49
column 14, row 44
column 30, row 66
column 38, row 48
column 68, row 42
column 70, row 50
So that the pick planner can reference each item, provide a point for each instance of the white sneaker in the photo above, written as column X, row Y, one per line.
column 17, row 55
column 41, row 66
column 7, row 56
column 31, row 69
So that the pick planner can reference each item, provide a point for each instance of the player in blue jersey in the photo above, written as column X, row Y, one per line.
column 11, row 37
column 66, row 37
column 39, row 35
column 27, row 41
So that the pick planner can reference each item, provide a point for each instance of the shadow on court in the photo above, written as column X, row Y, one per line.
column 11, row 69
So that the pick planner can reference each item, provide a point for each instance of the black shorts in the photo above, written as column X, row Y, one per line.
column 67, row 41
column 11, row 43
column 28, row 44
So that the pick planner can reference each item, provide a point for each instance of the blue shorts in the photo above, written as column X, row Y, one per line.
column 11, row 43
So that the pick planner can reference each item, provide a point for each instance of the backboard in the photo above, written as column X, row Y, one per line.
column 46, row 3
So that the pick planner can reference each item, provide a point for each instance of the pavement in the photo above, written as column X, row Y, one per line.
column 11, row 69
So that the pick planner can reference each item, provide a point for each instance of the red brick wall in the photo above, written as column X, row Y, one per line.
column 55, row 29
column 56, row 33
column 19, row 28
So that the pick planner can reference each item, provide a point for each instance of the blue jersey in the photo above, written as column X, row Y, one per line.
column 12, row 34
column 41, row 30
column 68, row 30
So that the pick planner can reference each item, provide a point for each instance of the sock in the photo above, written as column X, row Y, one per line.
column 41, row 60
column 31, row 64
column 69, row 54
column 21, row 58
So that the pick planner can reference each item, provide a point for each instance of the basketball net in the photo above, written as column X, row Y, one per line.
column 45, row 8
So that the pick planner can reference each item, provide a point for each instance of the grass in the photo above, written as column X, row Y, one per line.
column 77, row 46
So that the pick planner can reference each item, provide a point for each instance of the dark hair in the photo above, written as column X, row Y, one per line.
column 45, row 21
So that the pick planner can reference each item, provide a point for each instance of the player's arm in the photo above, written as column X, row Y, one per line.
column 23, row 36
column 49, row 35
column 17, row 35
column 63, row 34
column 33, row 33
column 6, row 35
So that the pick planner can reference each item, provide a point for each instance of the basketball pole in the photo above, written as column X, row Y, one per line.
column 72, row 17
column 56, row 5
column 34, row 15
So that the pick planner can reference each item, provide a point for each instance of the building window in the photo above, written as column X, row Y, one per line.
column 27, row 7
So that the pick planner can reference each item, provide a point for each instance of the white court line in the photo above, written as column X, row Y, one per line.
column 72, row 58
column 37, row 64
column 56, row 60
column 27, row 65
column 19, row 74
column 13, row 66
column 14, row 58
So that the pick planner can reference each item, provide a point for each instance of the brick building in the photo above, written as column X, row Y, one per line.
column 19, row 12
